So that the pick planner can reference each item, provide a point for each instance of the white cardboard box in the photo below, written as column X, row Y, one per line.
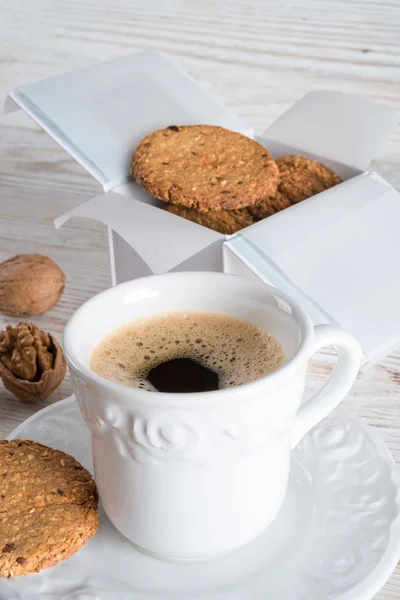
column 336, row 253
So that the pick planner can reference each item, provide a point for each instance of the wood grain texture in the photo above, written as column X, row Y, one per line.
column 257, row 56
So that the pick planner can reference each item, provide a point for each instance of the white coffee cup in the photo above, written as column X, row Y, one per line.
column 194, row 476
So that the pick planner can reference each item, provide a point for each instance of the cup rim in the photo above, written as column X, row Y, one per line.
column 273, row 379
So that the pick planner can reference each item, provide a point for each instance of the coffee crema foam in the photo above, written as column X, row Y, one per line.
column 237, row 350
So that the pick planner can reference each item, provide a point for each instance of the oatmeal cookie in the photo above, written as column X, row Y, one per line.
column 300, row 178
column 269, row 206
column 224, row 221
column 204, row 167
column 48, row 507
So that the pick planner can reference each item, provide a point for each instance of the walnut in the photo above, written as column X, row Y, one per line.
column 32, row 363
column 30, row 284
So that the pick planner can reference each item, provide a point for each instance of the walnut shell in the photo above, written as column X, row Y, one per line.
column 30, row 284
column 32, row 363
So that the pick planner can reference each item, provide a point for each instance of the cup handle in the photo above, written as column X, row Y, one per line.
column 338, row 383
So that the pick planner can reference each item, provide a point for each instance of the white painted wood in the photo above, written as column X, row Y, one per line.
column 258, row 56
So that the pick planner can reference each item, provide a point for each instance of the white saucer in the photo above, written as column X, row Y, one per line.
column 337, row 536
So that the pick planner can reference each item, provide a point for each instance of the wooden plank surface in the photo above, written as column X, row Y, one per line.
column 257, row 56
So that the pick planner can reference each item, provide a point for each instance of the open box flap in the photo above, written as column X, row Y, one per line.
column 336, row 126
column 100, row 113
column 10, row 105
column 343, row 260
column 162, row 240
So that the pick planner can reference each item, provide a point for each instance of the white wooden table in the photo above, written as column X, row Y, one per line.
column 257, row 56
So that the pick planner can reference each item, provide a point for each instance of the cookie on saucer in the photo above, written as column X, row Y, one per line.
column 48, row 507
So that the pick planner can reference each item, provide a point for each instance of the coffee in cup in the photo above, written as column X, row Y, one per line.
column 186, row 352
